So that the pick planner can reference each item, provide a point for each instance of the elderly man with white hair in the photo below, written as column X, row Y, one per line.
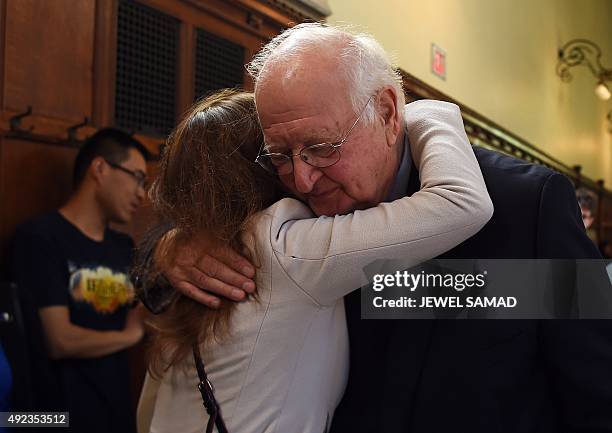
column 419, row 375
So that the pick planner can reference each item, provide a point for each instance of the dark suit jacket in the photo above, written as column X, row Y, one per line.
column 495, row 375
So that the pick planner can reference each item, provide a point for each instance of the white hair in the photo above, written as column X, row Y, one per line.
column 362, row 61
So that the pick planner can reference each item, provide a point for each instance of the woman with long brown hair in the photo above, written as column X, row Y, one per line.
column 269, row 357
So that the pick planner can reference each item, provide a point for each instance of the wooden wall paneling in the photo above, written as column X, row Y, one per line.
column 228, row 19
column 272, row 14
column 49, row 47
column 104, row 66
column 223, row 19
column 152, row 144
column 2, row 43
column 185, row 69
column 277, row 12
column 251, row 17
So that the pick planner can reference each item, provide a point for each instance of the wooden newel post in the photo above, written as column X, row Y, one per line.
column 578, row 170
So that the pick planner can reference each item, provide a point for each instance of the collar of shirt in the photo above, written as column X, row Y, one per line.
column 400, row 184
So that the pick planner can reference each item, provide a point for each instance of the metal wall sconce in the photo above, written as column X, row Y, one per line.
column 586, row 53
column 582, row 52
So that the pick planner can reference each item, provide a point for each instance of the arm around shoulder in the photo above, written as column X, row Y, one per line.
column 326, row 256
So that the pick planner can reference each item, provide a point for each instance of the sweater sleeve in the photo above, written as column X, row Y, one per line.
column 325, row 256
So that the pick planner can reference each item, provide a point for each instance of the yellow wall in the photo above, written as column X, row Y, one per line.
column 501, row 58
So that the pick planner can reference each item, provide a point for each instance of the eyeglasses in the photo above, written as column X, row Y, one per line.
column 137, row 175
column 319, row 155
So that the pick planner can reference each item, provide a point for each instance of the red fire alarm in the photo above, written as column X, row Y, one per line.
column 438, row 61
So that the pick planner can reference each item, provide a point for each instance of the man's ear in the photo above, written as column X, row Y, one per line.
column 390, row 114
column 97, row 169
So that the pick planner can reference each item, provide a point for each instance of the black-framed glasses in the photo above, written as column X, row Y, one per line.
column 319, row 155
column 137, row 175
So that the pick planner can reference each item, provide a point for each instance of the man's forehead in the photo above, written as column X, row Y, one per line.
column 281, row 136
column 300, row 86
column 136, row 161
column 300, row 115
column 279, row 115
column 287, row 102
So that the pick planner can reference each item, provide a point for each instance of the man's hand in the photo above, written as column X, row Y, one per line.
column 204, row 270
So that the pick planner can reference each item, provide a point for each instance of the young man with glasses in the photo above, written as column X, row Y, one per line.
column 72, row 269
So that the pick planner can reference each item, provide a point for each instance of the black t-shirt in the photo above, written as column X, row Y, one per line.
column 55, row 264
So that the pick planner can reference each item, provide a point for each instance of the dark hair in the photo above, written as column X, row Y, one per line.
column 111, row 144
column 208, row 185
column 586, row 200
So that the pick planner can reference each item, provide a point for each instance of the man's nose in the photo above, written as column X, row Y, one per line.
column 304, row 175
column 141, row 193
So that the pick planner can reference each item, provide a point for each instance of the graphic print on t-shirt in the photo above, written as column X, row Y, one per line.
column 101, row 287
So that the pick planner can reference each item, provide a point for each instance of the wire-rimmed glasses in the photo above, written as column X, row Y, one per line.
column 319, row 155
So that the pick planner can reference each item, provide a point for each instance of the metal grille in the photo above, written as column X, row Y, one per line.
column 219, row 63
column 147, row 43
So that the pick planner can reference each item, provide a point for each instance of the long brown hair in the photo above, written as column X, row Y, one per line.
column 208, row 187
